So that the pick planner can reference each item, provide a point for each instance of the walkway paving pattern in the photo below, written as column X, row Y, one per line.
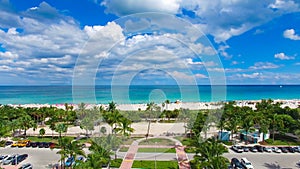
column 182, row 158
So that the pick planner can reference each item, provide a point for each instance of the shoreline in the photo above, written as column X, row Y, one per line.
column 292, row 103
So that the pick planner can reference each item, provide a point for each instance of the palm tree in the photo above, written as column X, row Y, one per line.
column 61, row 128
column 99, row 156
column 210, row 155
column 149, row 109
column 124, row 127
column 167, row 102
column 247, row 123
column 112, row 118
column 42, row 132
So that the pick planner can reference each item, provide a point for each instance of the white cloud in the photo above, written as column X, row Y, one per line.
column 191, row 62
column 283, row 56
column 138, row 6
column 8, row 55
column 291, row 34
column 264, row 65
column 251, row 76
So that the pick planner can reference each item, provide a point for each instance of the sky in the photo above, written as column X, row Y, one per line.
column 146, row 42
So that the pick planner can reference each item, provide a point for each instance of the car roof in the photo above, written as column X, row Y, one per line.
column 245, row 159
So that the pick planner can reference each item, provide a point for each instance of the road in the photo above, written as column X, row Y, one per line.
column 44, row 158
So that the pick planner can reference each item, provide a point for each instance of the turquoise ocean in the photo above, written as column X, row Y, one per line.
column 144, row 94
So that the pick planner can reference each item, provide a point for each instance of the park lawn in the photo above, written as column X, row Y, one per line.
column 159, row 164
column 123, row 149
column 150, row 150
column 116, row 163
column 156, row 141
column 158, row 150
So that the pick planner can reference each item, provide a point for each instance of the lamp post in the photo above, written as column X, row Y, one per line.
column 155, row 156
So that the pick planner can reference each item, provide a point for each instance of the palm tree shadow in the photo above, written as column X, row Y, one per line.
column 272, row 166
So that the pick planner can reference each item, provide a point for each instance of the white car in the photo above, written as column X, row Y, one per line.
column 276, row 150
column 246, row 163
column 26, row 166
column 268, row 149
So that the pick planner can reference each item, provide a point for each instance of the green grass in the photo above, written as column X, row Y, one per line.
column 159, row 164
column 123, row 149
column 150, row 150
column 190, row 150
column 157, row 141
column 158, row 150
column 115, row 163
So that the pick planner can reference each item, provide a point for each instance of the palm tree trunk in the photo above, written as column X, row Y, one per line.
column 148, row 130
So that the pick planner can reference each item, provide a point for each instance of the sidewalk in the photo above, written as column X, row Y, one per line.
column 182, row 158
column 129, row 157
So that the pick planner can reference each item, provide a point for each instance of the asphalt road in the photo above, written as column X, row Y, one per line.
column 44, row 158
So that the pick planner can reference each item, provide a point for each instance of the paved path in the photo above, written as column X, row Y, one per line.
column 129, row 157
column 182, row 158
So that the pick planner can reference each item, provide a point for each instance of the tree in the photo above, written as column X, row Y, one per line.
column 42, row 132
column 210, row 155
column 25, row 121
column 247, row 123
column 61, row 128
column 124, row 127
column 167, row 102
column 151, row 109
column 69, row 148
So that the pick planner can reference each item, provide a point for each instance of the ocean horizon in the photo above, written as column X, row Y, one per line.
column 103, row 94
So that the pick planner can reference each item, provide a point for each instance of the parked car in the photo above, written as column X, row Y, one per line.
column 297, row 149
column 276, row 150
column 46, row 145
column 283, row 149
column 253, row 149
column 246, row 149
column 19, row 159
column 237, row 149
column 9, row 159
column 246, row 163
column 53, row 145
column 291, row 149
column 20, row 143
column 69, row 161
column 41, row 145
column 33, row 144
column 268, row 149
column 2, row 157
column 259, row 148
column 26, row 166
column 7, row 143
column 236, row 164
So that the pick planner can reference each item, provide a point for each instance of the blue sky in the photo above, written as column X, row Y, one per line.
column 149, row 42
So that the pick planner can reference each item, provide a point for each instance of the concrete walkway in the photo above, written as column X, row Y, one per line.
column 129, row 157
column 182, row 158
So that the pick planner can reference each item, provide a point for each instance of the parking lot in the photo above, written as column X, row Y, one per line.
column 38, row 157
column 268, row 160
column 44, row 158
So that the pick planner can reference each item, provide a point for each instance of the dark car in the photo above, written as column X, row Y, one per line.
column 7, row 143
column 236, row 164
column 28, row 144
column 46, row 145
column 253, row 149
column 246, row 149
column 26, row 166
column 259, row 148
column 19, row 159
column 41, row 145
column 284, row 150
column 291, row 149
column 2, row 157
column 33, row 144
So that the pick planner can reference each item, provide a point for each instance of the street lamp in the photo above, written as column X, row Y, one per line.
column 155, row 156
